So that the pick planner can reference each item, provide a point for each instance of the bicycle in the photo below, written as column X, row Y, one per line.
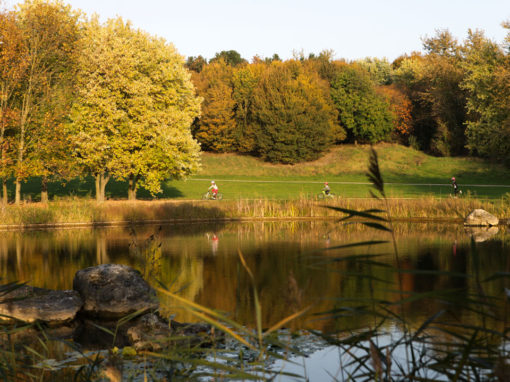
column 322, row 195
column 210, row 196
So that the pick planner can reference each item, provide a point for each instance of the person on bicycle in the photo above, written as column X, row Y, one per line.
column 455, row 187
column 213, row 189
column 326, row 190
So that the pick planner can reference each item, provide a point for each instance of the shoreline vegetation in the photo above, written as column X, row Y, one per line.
column 88, row 213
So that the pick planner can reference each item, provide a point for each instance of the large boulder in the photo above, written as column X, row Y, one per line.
column 481, row 217
column 111, row 291
column 29, row 304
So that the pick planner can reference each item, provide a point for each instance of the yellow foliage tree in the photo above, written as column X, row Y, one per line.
column 134, row 108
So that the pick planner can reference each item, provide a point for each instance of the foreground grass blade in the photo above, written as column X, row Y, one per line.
column 281, row 323
column 197, row 309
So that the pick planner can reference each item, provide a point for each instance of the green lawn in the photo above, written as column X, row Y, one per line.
column 249, row 178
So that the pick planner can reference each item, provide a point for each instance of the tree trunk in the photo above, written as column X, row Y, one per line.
column 132, row 187
column 101, row 180
column 104, row 179
column 25, row 111
column 17, row 193
column 98, row 188
column 44, row 190
column 4, row 192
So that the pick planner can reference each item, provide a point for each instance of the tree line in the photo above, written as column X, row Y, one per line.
column 80, row 97
column 453, row 99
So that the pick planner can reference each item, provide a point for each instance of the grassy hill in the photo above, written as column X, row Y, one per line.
column 417, row 174
column 414, row 173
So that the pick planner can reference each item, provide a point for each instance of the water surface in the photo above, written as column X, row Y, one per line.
column 288, row 259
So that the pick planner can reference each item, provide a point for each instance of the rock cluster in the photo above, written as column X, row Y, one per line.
column 102, row 295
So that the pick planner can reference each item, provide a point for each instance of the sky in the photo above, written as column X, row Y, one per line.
column 352, row 29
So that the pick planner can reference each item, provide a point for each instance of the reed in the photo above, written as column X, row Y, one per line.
column 436, row 349
column 76, row 211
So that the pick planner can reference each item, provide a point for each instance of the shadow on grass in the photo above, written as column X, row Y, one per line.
column 84, row 187
column 163, row 211
column 167, row 192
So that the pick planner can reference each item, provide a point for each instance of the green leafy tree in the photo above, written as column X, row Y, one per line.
column 487, row 82
column 363, row 112
column 134, row 108
column 268, row 60
column 379, row 69
column 231, row 57
column 294, row 117
column 196, row 64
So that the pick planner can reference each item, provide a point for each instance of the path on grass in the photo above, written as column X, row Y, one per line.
column 349, row 183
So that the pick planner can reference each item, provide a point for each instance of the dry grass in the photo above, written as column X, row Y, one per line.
column 80, row 211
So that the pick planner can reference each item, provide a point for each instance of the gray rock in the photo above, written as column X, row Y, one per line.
column 153, row 333
column 29, row 304
column 481, row 217
column 481, row 234
column 112, row 291
column 149, row 332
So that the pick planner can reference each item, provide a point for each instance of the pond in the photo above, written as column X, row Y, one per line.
column 295, row 265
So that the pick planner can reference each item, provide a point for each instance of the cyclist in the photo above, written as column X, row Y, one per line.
column 326, row 190
column 455, row 187
column 213, row 189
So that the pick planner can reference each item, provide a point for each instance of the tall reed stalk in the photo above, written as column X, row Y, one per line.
column 436, row 350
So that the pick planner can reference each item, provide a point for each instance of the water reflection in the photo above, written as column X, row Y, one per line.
column 201, row 262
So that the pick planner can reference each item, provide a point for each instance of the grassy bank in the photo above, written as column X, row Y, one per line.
column 88, row 212
column 407, row 172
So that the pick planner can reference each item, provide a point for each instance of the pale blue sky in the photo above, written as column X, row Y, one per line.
column 352, row 29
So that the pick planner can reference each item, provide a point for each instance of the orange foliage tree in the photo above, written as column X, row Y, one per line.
column 215, row 128
column 401, row 107
column 13, row 65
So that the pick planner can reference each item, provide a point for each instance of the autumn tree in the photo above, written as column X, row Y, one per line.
column 13, row 65
column 50, row 30
column 433, row 85
column 487, row 82
column 134, row 107
column 294, row 117
column 363, row 112
column 244, row 81
column 52, row 154
column 324, row 65
column 401, row 108
column 215, row 129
